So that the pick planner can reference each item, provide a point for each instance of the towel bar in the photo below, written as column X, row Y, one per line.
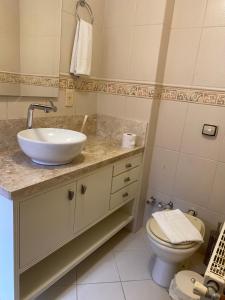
column 83, row 3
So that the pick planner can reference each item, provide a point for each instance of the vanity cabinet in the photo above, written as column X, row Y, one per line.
column 51, row 219
column 92, row 199
column 46, row 221
column 125, row 179
column 50, row 232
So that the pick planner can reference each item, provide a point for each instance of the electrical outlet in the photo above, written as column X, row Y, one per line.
column 69, row 100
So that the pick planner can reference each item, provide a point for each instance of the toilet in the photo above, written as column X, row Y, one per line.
column 169, row 256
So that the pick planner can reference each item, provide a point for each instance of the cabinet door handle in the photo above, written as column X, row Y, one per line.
column 128, row 165
column 127, row 179
column 125, row 195
column 83, row 189
column 70, row 195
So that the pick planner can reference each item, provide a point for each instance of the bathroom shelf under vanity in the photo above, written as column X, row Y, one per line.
column 38, row 278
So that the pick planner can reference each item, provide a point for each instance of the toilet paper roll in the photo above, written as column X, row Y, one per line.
column 128, row 140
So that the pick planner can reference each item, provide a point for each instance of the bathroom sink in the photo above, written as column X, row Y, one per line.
column 51, row 146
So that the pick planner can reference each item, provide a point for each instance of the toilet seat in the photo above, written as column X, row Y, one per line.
column 157, row 234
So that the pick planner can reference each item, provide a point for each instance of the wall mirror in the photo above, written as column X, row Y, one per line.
column 30, row 32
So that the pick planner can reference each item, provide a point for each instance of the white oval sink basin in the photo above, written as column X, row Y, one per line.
column 51, row 146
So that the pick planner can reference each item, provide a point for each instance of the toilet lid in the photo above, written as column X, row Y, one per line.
column 156, row 230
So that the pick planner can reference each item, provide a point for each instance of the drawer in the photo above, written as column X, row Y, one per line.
column 126, row 194
column 127, row 164
column 124, row 179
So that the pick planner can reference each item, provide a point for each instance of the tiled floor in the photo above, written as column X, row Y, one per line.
column 120, row 270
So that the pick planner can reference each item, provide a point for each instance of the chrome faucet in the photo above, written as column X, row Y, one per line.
column 45, row 108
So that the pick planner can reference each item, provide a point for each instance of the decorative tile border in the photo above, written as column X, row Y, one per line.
column 14, row 78
column 130, row 89
column 199, row 96
column 151, row 91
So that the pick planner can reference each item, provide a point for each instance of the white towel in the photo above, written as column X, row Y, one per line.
column 177, row 227
column 82, row 49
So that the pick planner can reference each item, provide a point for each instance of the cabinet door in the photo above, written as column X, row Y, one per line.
column 46, row 222
column 93, row 195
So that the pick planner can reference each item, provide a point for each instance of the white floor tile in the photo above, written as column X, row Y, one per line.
column 144, row 290
column 102, row 291
column 134, row 264
column 125, row 241
column 59, row 293
column 99, row 267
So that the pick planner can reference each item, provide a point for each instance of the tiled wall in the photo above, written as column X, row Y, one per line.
column 131, row 41
column 187, row 167
column 9, row 36
column 132, row 33
column 197, row 44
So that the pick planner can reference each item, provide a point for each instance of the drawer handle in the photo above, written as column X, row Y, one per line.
column 129, row 165
column 127, row 179
column 125, row 195
column 70, row 195
column 83, row 189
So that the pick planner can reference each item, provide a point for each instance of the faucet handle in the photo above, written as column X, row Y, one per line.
column 163, row 205
column 53, row 105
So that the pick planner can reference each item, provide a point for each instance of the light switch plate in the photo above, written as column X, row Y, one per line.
column 209, row 130
column 69, row 98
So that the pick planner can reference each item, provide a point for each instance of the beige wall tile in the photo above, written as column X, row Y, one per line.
column 98, row 7
column 181, row 56
column 119, row 13
column 215, row 14
column 150, row 12
column 116, row 53
column 170, row 124
column 18, row 107
column 111, row 105
column 3, row 108
column 96, row 69
column 67, row 41
column 163, row 169
column 40, row 18
column 210, row 68
column 85, row 103
column 193, row 140
column 40, row 55
column 217, row 198
column 9, row 54
column 194, row 179
column 138, row 109
column 222, row 143
column 146, row 42
column 188, row 13
column 69, row 6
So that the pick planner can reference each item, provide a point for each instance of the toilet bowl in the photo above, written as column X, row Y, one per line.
column 168, row 255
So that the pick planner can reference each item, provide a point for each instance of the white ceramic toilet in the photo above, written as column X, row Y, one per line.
column 168, row 256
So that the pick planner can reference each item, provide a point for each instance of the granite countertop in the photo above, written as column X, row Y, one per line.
column 20, row 176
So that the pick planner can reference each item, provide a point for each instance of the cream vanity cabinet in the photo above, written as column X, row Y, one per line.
column 93, row 195
column 48, row 233
column 46, row 221
column 51, row 219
